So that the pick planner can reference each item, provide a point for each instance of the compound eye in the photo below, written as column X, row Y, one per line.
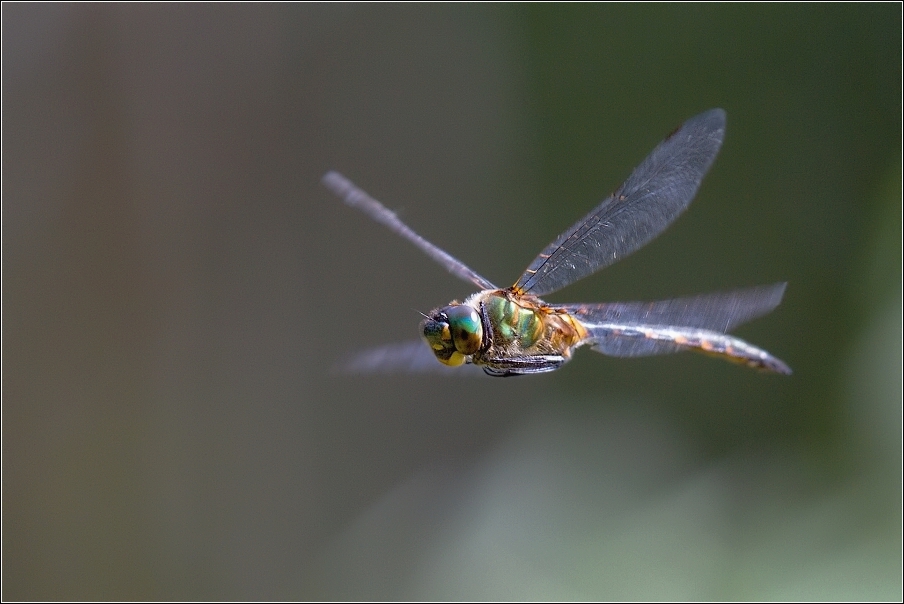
column 465, row 327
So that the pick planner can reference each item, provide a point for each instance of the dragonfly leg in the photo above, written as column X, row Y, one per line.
column 523, row 366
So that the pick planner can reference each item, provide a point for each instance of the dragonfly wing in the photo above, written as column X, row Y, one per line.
column 356, row 198
column 402, row 357
column 658, row 190
column 719, row 311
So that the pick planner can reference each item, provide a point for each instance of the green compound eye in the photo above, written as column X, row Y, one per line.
column 465, row 327
column 453, row 333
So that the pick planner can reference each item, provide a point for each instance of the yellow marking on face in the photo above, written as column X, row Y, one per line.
column 457, row 359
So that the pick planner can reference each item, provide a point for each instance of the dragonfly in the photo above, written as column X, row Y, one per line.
column 512, row 331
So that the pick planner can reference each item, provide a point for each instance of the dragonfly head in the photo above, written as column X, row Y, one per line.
column 453, row 332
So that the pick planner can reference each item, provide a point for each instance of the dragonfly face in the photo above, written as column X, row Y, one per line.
column 453, row 333
column 512, row 331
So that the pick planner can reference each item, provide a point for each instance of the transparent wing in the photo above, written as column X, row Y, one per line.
column 356, row 198
column 718, row 311
column 402, row 357
column 658, row 190
column 699, row 323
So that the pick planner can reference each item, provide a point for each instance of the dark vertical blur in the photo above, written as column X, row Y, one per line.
column 177, row 285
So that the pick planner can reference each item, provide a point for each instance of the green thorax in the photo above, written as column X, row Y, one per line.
column 512, row 323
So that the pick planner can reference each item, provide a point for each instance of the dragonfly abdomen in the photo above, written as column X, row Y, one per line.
column 633, row 340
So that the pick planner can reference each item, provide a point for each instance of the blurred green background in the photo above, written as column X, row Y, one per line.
column 177, row 285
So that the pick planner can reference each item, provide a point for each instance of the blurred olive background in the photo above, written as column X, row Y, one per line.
column 177, row 285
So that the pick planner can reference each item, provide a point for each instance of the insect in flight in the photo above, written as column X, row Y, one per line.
column 511, row 331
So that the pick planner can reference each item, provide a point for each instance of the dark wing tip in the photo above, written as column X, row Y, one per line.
column 774, row 365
